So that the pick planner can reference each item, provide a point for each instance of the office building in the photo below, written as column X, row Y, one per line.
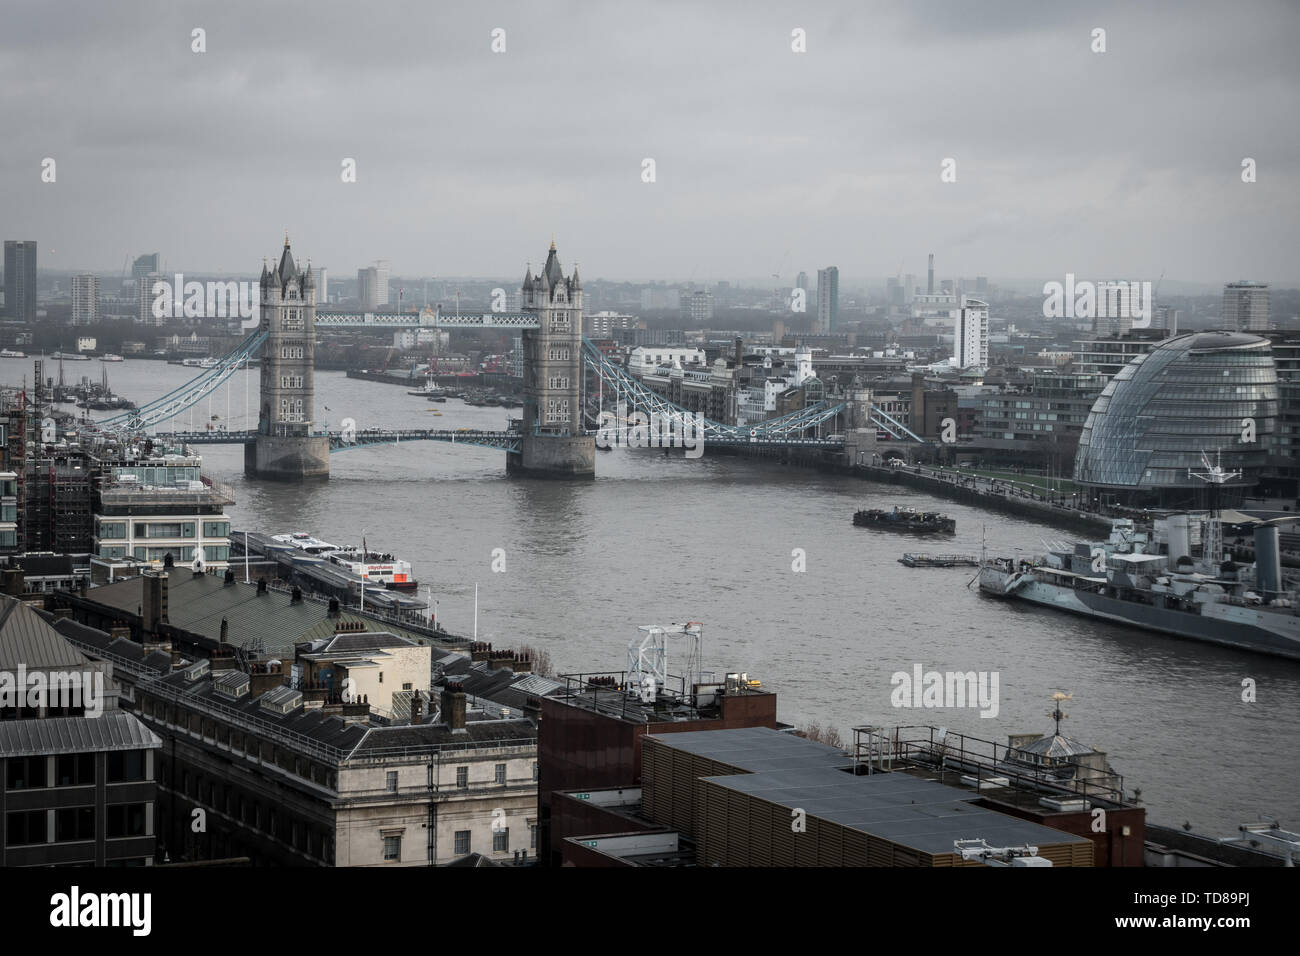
column 600, row 324
column 828, row 299
column 20, row 279
column 85, row 299
column 146, row 265
column 78, row 771
column 1158, row 417
column 1246, row 307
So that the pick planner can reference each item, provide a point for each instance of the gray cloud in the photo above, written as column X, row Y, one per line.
column 1124, row 163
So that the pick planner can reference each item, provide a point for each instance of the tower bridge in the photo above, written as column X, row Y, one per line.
column 549, row 440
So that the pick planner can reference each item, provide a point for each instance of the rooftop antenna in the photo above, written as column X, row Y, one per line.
column 1057, row 714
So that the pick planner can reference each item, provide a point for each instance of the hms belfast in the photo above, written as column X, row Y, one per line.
column 1127, row 580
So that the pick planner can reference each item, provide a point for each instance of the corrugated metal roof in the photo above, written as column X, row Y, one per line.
column 537, row 685
column 115, row 730
column 25, row 638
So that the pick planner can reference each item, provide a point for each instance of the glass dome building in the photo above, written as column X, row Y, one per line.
column 1192, row 394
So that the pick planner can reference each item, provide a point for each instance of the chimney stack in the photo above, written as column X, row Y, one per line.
column 225, row 632
column 417, row 710
column 154, row 610
column 334, row 607
column 453, row 706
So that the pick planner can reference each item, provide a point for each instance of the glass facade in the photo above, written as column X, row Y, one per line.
column 1211, row 392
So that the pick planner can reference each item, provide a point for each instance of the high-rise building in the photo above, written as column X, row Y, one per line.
column 1164, row 317
column 322, row 287
column 828, row 298
column 802, row 282
column 145, row 296
column 1245, row 306
column 697, row 306
column 85, row 299
column 20, row 279
column 929, row 285
column 971, row 337
column 372, row 286
column 145, row 265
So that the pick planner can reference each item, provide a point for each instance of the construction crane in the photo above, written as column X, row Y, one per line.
column 781, row 265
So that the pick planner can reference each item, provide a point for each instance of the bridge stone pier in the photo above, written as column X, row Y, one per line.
column 553, row 443
column 285, row 447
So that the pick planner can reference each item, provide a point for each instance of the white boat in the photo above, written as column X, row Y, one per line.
column 110, row 357
column 428, row 390
column 376, row 566
column 10, row 353
column 71, row 356
column 305, row 542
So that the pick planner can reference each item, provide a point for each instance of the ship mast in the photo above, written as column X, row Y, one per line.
column 1214, row 477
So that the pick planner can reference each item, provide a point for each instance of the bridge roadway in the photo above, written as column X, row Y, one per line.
column 505, row 440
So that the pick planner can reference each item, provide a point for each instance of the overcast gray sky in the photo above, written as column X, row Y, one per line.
column 1122, row 164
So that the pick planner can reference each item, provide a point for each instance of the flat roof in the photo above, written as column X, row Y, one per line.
column 920, row 814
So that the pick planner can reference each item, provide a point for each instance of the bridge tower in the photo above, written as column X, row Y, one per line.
column 554, row 442
column 285, row 447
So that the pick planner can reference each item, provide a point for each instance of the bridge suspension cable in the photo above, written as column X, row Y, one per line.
column 186, row 396
column 787, row 429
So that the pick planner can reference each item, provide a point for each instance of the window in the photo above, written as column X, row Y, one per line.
column 406, row 686
column 501, row 773
column 535, row 770
column 392, row 781
column 501, row 840
column 381, row 677
column 462, row 841
column 26, row 773
column 462, row 777
column 74, row 823
column 124, row 820
column 25, row 827
column 126, row 765
column 532, row 836
column 392, row 849
column 75, row 770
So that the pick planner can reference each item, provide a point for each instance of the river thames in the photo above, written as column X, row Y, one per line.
column 656, row 539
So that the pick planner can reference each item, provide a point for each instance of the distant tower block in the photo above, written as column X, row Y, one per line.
column 285, row 447
column 553, row 444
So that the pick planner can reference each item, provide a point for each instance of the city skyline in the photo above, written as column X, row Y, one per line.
column 767, row 161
